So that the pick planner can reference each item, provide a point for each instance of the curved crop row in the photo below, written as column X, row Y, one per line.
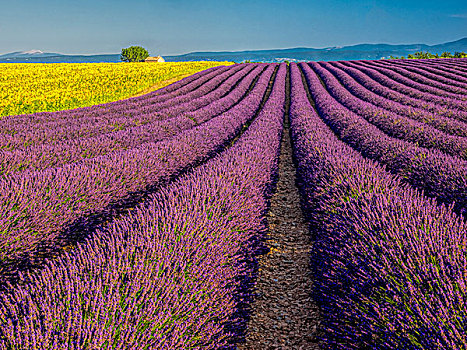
column 371, row 91
column 452, row 66
column 426, row 78
column 433, row 72
column 36, row 87
column 26, row 123
column 170, row 276
column 439, row 175
column 96, row 120
column 45, row 156
column 426, row 101
column 395, row 125
column 346, row 77
column 382, row 85
column 387, row 274
column 178, row 88
column 36, row 206
column 191, row 104
column 410, row 82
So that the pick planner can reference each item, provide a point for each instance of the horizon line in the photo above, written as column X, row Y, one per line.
column 242, row 50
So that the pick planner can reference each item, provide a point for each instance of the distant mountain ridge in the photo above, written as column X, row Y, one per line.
column 28, row 54
column 352, row 52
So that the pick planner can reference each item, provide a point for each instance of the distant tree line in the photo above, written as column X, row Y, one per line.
column 424, row 55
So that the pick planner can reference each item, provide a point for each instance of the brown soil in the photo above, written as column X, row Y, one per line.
column 284, row 315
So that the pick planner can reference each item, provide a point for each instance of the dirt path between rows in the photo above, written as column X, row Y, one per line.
column 284, row 315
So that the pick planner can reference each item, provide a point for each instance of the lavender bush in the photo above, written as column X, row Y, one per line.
column 435, row 73
column 427, row 99
column 395, row 125
column 422, row 76
column 168, row 276
column 37, row 205
column 393, row 101
column 44, row 156
column 23, row 131
column 137, row 224
column 389, row 263
column 413, row 80
column 439, row 175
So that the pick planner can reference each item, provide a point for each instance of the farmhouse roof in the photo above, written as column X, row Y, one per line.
column 154, row 59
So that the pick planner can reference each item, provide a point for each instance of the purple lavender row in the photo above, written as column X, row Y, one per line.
column 394, row 102
column 443, row 86
column 440, row 117
column 97, row 116
column 394, row 125
column 93, row 117
column 92, row 125
column 169, row 276
column 202, row 101
column 388, row 262
column 36, row 206
column 441, row 176
column 118, row 115
column 394, row 74
column 219, row 106
column 451, row 67
column 427, row 101
column 46, row 156
column 438, row 69
column 180, row 87
column 177, row 88
column 417, row 90
column 444, row 61
column 453, row 88
column 156, row 97
column 455, row 66
column 460, row 65
column 434, row 72
column 193, row 90
column 418, row 73
column 153, row 97
column 215, row 82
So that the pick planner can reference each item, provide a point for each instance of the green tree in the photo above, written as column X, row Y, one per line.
column 134, row 54
column 421, row 54
column 446, row 54
column 460, row 54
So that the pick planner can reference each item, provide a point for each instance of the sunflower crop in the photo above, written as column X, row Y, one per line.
column 36, row 87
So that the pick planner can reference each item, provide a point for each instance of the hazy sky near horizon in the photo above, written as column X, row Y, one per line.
column 179, row 26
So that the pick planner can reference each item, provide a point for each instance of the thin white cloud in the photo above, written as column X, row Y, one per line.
column 459, row 15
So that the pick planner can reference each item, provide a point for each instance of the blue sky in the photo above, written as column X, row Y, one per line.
column 179, row 26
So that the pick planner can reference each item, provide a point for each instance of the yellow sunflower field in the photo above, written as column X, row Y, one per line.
column 36, row 87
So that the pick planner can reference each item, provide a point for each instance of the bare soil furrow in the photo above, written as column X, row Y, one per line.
column 283, row 314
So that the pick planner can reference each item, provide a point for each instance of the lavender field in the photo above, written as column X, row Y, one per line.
column 141, row 223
